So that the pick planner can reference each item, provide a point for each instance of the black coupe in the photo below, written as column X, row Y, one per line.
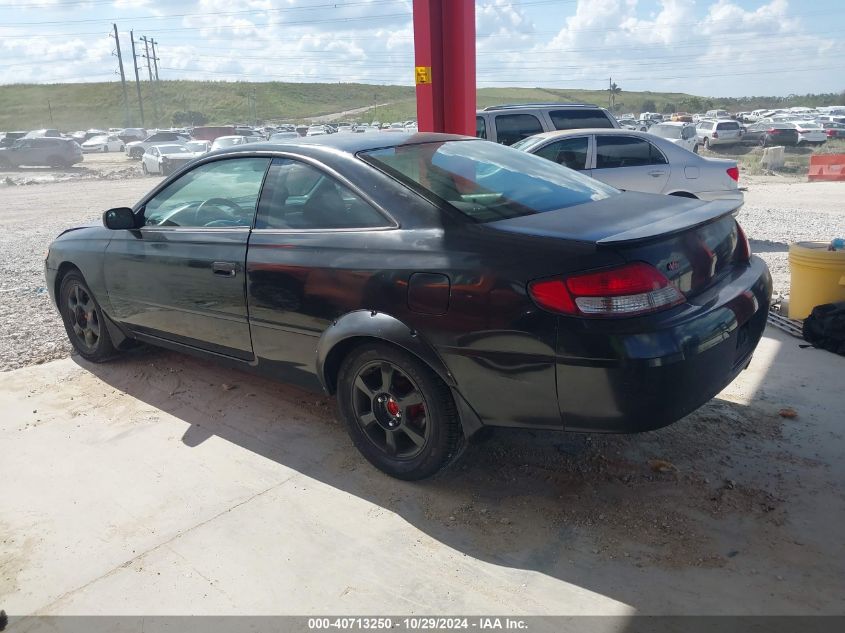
column 437, row 284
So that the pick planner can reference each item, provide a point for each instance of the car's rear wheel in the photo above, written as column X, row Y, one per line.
column 707, row 143
column 398, row 412
column 83, row 319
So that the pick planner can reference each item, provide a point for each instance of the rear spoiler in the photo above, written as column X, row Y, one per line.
column 692, row 218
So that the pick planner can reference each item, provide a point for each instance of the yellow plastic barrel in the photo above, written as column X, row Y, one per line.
column 817, row 276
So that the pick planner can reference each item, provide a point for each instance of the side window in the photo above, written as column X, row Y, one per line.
column 625, row 151
column 570, row 152
column 480, row 127
column 300, row 196
column 579, row 119
column 511, row 128
column 688, row 133
column 222, row 194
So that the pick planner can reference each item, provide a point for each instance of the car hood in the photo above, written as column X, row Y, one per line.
column 134, row 143
column 626, row 217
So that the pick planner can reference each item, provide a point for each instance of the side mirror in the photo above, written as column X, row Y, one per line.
column 119, row 219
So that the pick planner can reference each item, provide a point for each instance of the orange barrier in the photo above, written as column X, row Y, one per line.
column 827, row 167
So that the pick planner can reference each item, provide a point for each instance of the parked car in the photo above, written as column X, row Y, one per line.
column 632, row 124
column 718, row 132
column 44, row 133
column 767, row 133
column 284, row 136
column 130, row 134
column 639, row 161
column 507, row 124
column 10, row 137
column 834, row 130
column 212, row 132
column 107, row 143
column 809, row 132
column 227, row 141
column 681, row 134
column 436, row 284
column 198, row 147
column 717, row 114
column 684, row 117
column 136, row 149
column 165, row 159
column 41, row 152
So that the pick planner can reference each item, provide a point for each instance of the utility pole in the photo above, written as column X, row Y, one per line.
column 146, row 55
column 50, row 108
column 610, row 93
column 137, row 80
column 155, row 58
column 126, row 120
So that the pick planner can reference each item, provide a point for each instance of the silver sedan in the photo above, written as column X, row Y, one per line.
column 638, row 161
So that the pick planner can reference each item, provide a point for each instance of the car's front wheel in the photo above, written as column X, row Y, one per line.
column 398, row 412
column 83, row 319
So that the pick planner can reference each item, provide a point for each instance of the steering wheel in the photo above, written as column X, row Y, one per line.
column 219, row 203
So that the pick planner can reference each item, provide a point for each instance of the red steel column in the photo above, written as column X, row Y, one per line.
column 444, row 48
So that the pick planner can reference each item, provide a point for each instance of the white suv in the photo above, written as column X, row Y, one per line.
column 718, row 132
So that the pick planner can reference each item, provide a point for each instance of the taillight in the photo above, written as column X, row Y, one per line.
column 743, row 246
column 629, row 290
column 715, row 135
column 773, row 131
column 831, row 133
column 733, row 172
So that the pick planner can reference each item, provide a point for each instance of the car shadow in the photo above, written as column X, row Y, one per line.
column 604, row 512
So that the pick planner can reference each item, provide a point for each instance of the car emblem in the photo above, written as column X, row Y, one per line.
column 673, row 265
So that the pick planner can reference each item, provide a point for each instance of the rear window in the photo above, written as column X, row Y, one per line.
column 728, row 125
column 626, row 151
column 577, row 119
column 666, row 131
column 486, row 181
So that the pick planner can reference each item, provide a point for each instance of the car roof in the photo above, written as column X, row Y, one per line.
column 509, row 106
column 600, row 131
column 347, row 143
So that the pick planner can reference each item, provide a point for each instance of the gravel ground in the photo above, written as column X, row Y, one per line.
column 777, row 211
column 30, row 218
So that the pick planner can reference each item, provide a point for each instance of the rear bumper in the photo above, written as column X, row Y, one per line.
column 641, row 374
column 734, row 195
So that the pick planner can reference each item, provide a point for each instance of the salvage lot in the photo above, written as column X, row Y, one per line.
column 163, row 484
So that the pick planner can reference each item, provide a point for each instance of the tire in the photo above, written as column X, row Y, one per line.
column 695, row 149
column 398, row 412
column 55, row 161
column 144, row 168
column 84, row 323
column 707, row 143
column 105, row 149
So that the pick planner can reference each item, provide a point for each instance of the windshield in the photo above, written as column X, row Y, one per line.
column 486, row 181
column 228, row 141
column 172, row 149
column 667, row 131
column 197, row 146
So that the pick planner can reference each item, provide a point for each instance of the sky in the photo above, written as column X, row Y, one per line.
column 716, row 48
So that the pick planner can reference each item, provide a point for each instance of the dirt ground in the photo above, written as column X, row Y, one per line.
column 162, row 484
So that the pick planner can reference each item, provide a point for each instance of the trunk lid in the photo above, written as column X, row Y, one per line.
column 690, row 242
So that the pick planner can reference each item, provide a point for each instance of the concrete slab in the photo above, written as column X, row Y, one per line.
column 160, row 484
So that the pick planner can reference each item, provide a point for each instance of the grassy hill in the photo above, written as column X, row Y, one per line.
column 82, row 106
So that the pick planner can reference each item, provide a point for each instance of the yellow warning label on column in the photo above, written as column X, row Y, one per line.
column 423, row 74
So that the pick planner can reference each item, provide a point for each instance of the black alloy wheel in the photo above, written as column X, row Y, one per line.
column 83, row 319
column 398, row 412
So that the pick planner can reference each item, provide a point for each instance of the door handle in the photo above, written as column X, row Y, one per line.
column 656, row 174
column 224, row 269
